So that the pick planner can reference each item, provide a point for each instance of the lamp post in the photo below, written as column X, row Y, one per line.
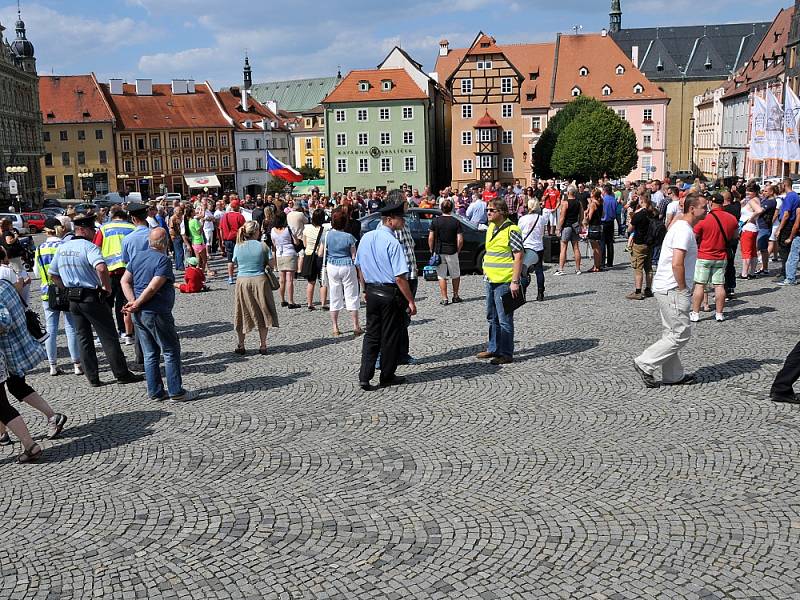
column 12, row 171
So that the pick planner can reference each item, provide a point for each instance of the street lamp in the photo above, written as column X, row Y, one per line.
column 13, row 171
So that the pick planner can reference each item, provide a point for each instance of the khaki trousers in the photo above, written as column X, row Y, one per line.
column 676, row 331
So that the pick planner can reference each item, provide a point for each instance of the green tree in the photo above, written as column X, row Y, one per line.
column 276, row 185
column 543, row 151
column 596, row 143
column 309, row 172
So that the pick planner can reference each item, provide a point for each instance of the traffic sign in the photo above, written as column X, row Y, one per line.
column 652, row 169
column 12, row 187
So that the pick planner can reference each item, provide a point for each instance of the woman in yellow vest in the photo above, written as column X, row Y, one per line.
column 502, row 268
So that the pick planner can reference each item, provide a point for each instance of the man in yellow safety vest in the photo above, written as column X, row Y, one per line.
column 109, row 239
column 502, row 269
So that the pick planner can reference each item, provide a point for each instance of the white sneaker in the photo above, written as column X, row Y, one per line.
column 694, row 317
column 719, row 317
column 77, row 369
column 558, row 273
column 54, row 370
column 127, row 339
column 578, row 271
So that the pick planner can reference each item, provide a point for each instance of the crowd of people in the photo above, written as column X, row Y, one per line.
column 113, row 274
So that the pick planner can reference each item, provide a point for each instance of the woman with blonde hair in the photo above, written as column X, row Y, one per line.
column 254, row 306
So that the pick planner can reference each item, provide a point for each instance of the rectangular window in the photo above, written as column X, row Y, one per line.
column 257, row 143
column 308, row 143
column 621, row 113
column 466, row 165
column 386, row 138
column 223, row 140
column 488, row 135
column 321, row 121
column 466, row 111
column 129, row 165
column 341, row 139
column 508, row 111
column 187, row 142
column 466, row 86
column 384, row 114
column 81, row 134
column 506, row 85
column 408, row 137
column 51, row 182
column 408, row 113
column 386, row 164
column 226, row 161
column 508, row 165
column 81, row 158
column 322, row 143
column 212, row 141
column 48, row 160
column 508, row 137
column 244, row 143
column 647, row 140
column 201, row 162
column 65, row 159
column 126, row 144
column 156, row 164
column 62, row 135
column 198, row 141
column 410, row 164
column 308, row 123
column 173, row 141
column 155, row 142
column 361, row 114
column 140, row 143
column 340, row 116
column 212, row 161
column 103, row 157
column 143, row 164
column 536, row 123
column 466, row 138
column 309, row 162
column 245, row 164
column 488, row 161
column 363, row 165
column 647, row 162
column 341, row 165
column 363, row 139
column 321, row 162
column 176, row 163
column 648, row 114
column 187, row 162
column 46, row 136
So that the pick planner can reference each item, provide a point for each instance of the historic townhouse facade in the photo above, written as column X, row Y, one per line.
column 21, row 143
column 308, row 140
column 78, row 134
column 707, row 120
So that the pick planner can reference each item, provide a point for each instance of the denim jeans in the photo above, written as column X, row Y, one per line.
column 501, row 325
column 177, row 246
column 158, row 336
column 791, row 262
column 52, row 318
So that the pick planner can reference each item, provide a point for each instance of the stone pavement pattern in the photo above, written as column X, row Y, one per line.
column 556, row 477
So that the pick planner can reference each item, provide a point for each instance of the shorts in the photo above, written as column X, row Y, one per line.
column 642, row 258
column 773, row 236
column 229, row 246
column 198, row 248
column 748, row 244
column 762, row 241
column 449, row 267
column 710, row 271
column 287, row 263
column 570, row 234
column 549, row 216
column 208, row 234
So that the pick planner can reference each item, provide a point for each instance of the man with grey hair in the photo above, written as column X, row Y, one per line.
column 148, row 286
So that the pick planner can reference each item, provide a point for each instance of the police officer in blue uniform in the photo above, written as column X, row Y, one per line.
column 78, row 266
column 384, row 273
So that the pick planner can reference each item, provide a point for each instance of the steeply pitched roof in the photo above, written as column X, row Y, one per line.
column 165, row 110
column 665, row 52
column 763, row 65
column 72, row 99
column 231, row 99
column 403, row 87
column 297, row 95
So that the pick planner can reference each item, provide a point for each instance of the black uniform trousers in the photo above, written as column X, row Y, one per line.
column 788, row 375
column 607, row 243
column 386, row 331
column 94, row 311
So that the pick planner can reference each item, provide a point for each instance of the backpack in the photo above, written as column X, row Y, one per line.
column 656, row 231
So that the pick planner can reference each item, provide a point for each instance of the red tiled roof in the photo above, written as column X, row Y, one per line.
column 231, row 99
column 72, row 99
column 403, row 87
column 165, row 110
column 773, row 44
column 486, row 121
column 485, row 44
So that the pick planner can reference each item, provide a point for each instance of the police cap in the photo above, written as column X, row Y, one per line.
column 137, row 209
column 51, row 223
column 84, row 221
column 393, row 210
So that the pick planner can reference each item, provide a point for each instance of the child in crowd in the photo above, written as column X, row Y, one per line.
column 194, row 277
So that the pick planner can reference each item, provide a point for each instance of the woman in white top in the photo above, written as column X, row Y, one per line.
column 209, row 224
column 532, row 227
column 286, row 258
column 751, row 209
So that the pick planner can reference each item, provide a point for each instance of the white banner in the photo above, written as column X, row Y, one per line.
column 775, row 137
column 758, row 130
column 791, row 116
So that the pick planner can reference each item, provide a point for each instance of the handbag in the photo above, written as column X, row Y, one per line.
column 531, row 257
column 34, row 325
column 595, row 232
column 274, row 283
column 56, row 297
column 297, row 243
column 311, row 262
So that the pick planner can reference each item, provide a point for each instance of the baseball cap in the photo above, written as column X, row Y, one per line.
column 192, row 261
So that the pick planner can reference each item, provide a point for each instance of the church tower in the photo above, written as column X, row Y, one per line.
column 615, row 17
column 23, row 49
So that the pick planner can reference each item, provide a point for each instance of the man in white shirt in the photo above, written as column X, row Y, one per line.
column 672, row 288
column 657, row 196
column 673, row 212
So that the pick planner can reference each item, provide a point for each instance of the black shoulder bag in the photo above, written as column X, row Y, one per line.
column 728, row 249
column 311, row 266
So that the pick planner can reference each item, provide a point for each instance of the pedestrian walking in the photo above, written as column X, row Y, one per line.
column 672, row 287
column 446, row 239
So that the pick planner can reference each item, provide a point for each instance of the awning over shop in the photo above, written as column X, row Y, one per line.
column 208, row 180
column 305, row 186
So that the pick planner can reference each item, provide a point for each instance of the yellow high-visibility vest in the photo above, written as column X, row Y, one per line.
column 498, row 264
column 113, row 232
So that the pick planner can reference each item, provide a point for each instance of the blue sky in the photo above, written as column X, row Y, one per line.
column 206, row 39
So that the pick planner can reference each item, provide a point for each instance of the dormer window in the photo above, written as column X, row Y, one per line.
column 484, row 65
column 485, row 44
column 583, row 72
column 607, row 90
column 363, row 86
column 386, row 85
column 638, row 88
column 620, row 70
column 576, row 91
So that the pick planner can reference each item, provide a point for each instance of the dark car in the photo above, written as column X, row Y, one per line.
column 51, row 203
column 419, row 223
column 35, row 221
column 51, row 211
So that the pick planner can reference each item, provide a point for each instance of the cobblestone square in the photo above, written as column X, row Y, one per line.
column 558, row 476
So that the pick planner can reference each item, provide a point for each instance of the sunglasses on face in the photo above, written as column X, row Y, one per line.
column 491, row 210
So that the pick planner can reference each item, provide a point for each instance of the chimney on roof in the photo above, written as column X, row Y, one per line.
column 444, row 48
column 116, row 86
column 272, row 106
column 635, row 56
column 144, row 87
column 178, row 86
column 190, row 86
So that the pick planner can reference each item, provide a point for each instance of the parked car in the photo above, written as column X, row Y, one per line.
column 170, row 197
column 35, row 221
column 17, row 222
column 115, row 198
column 51, row 211
column 419, row 223
column 51, row 203
column 86, row 207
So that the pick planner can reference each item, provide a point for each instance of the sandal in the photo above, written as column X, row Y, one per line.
column 336, row 333
column 358, row 332
column 262, row 351
column 30, row 455
column 239, row 350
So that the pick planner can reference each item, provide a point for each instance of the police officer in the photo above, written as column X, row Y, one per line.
column 384, row 272
column 79, row 267
column 109, row 238
column 138, row 239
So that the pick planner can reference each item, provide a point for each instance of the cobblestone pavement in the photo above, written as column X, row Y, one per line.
column 558, row 476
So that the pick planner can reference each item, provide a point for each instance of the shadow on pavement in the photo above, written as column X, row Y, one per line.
column 758, row 292
column 744, row 312
column 260, row 383
column 732, row 368
column 201, row 330
column 572, row 295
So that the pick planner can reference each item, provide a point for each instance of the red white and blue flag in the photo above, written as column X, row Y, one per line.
column 277, row 169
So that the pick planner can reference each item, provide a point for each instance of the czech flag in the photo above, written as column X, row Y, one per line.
column 277, row 169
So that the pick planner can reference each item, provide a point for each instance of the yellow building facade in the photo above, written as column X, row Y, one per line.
column 309, row 140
